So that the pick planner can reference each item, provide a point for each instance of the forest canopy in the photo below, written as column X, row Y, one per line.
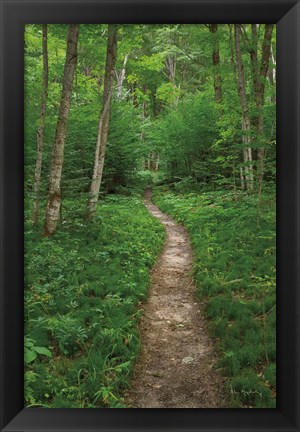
column 194, row 101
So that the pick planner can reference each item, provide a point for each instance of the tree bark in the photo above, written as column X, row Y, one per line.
column 246, row 126
column 260, row 100
column 40, row 130
column 157, row 162
column 254, row 59
column 120, row 77
column 111, row 53
column 242, row 179
column 259, row 74
column 54, row 199
column 232, row 57
column 272, row 75
column 171, row 65
column 213, row 28
column 171, row 68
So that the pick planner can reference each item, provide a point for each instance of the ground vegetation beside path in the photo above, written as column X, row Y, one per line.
column 235, row 273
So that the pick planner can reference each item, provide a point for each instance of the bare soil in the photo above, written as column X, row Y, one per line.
column 176, row 368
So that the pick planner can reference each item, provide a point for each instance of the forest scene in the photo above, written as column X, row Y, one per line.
column 150, row 224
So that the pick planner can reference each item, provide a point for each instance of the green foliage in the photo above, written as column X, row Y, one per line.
column 124, row 152
column 184, row 136
column 84, row 286
column 168, row 93
column 31, row 351
column 83, row 291
column 235, row 273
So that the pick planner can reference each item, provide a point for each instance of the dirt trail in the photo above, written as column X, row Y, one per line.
column 176, row 366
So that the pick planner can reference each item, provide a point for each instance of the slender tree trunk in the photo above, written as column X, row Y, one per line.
column 157, row 162
column 111, row 54
column 234, row 178
column 213, row 28
column 246, row 126
column 232, row 57
column 54, row 199
column 171, row 64
column 242, row 179
column 272, row 70
column 144, row 116
column 171, row 69
column 120, row 78
column 260, row 100
column 235, row 74
column 259, row 74
column 254, row 59
column 133, row 94
column 254, row 67
column 40, row 131
column 272, row 75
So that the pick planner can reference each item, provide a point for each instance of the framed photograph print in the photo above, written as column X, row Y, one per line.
column 150, row 215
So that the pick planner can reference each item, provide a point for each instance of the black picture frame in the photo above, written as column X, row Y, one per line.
column 14, row 15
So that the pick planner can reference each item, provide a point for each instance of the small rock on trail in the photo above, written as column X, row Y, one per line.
column 176, row 365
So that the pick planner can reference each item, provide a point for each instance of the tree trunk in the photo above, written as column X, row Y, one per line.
column 213, row 28
column 242, row 179
column 111, row 54
column 260, row 100
column 272, row 75
column 246, row 126
column 40, row 131
column 171, row 64
column 254, row 59
column 259, row 74
column 171, row 68
column 232, row 50
column 133, row 94
column 54, row 199
column 120, row 78
column 157, row 162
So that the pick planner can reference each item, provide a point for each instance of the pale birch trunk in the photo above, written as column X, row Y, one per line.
column 111, row 53
column 170, row 63
column 272, row 75
column 246, row 126
column 120, row 78
column 171, row 68
column 54, row 198
column 40, row 130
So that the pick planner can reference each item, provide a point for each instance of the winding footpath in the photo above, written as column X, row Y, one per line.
column 176, row 365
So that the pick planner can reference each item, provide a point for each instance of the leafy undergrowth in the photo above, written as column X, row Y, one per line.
column 235, row 275
column 83, row 291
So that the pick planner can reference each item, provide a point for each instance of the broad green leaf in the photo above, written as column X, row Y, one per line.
column 29, row 356
column 42, row 350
